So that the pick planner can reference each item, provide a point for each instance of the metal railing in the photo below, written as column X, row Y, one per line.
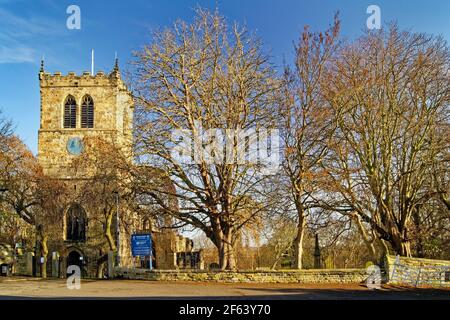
column 415, row 276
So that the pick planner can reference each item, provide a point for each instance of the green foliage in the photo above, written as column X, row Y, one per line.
column 6, row 254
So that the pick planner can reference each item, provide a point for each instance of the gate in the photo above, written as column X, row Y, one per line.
column 415, row 276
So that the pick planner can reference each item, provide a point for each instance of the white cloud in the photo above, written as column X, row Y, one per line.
column 17, row 54
column 22, row 38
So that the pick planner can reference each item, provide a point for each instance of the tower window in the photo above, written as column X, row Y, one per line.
column 87, row 112
column 76, row 223
column 70, row 113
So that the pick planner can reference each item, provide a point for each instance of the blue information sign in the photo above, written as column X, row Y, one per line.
column 141, row 245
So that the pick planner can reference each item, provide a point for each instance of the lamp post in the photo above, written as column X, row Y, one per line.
column 116, row 193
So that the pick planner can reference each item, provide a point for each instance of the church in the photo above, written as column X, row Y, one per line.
column 73, row 109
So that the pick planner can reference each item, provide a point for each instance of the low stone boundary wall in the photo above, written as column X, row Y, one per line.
column 287, row 276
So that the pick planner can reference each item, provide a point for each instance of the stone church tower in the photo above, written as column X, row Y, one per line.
column 75, row 107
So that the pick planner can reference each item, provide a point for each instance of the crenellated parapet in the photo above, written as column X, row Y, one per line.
column 86, row 79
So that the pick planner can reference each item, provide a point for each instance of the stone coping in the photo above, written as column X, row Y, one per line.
column 281, row 271
column 424, row 261
column 256, row 276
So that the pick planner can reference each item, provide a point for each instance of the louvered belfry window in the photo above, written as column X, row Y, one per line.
column 87, row 112
column 76, row 223
column 70, row 113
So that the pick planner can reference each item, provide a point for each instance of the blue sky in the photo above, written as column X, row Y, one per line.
column 32, row 28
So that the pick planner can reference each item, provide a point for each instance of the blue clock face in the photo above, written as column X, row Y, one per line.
column 75, row 146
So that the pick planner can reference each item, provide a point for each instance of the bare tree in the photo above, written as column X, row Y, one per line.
column 107, row 172
column 20, row 174
column 306, row 122
column 6, row 130
column 52, row 199
column 390, row 90
column 281, row 240
column 441, row 166
column 214, row 75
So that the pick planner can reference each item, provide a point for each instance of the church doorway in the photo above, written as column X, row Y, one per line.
column 74, row 258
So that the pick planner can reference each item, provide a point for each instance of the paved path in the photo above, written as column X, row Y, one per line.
column 25, row 288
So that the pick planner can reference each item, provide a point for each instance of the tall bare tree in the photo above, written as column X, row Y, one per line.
column 306, row 122
column 6, row 132
column 215, row 75
column 52, row 198
column 390, row 90
column 107, row 171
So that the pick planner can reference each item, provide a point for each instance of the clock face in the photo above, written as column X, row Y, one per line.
column 75, row 146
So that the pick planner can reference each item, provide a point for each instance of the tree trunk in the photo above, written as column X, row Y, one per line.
column 406, row 249
column 400, row 246
column 41, row 239
column 44, row 252
column 298, row 241
column 223, row 262
column 384, row 247
column 100, row 268
column 226, row 252
column 231, row 257
column 108, row 235
column 274, row 264
column 369, row 243
column 419, row 236
column 227, row 256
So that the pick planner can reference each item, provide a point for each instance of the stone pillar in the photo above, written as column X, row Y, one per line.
column 55, row 264
column 317, row 262
column 42, row 266
column 63, row 267
column 29, row 263
column 174, row 263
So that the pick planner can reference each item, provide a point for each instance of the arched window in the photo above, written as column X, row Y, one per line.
column 70, row 113
column 87, row 112
column 76, row 223
column 146, row 224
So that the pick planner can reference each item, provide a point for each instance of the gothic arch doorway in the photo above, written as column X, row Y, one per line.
column 75, row 258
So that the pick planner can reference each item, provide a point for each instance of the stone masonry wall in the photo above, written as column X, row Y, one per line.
column 300, row 276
